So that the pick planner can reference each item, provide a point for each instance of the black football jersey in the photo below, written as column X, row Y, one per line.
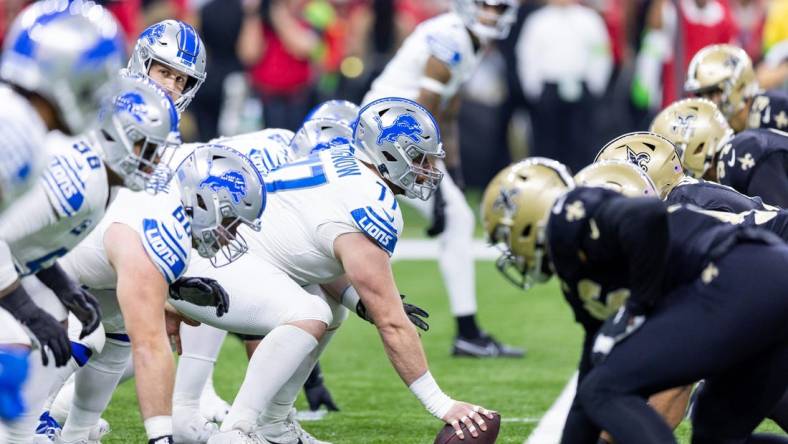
column 755, row 163
column 712, row 196
column 769, row 109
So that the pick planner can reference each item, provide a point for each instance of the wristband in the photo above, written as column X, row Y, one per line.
column 350, row 298
column 434, row 400
column 432, row 85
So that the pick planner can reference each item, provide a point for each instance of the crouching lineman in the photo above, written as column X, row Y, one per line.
column 340, row 214
column 82, row 177
column 140, row 247
column 688, row 262
column 54, row 81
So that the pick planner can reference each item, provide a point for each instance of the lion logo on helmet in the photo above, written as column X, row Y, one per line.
column 404, row 125
column 134, row 104
column 232, row 181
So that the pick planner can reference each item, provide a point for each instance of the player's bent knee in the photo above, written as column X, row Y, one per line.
column 314, row 327
column 113, row 357
column 596, row 389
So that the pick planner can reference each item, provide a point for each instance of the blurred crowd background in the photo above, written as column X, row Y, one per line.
column 571, row 75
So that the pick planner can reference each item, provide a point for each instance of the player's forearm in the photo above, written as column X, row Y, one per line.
column 404, row 350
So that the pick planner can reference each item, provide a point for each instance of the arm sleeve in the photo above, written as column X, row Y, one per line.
column 640, row 228
column 770, row 179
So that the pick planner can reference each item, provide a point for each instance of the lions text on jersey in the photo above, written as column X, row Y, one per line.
column 163, row 228
column 64, row 206
column 444, row 37
column 314, row 200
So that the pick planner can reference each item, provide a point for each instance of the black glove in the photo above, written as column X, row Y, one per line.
column 316, row 392
column 438, row 214
column 49, row 333
column 76, row 299
column 415, row 314
column 167, row 439
column 201, row 291
column 615, row 329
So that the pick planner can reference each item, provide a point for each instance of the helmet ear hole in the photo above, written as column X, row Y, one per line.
column 107, row 135
column 699, row 149
column 201, row 203
column 389, row 156
column 527, row 230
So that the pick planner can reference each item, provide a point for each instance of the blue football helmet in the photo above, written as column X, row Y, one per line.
column 136, row 126
column 175, row 44
column 318, row 135
column 340, row 110
column 67, row 52
column 221, row 190
column 401, row 139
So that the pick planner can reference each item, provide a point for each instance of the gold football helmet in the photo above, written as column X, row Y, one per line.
column 724, row 74
column 698, row 130
column 619, row 176
column 650, row 152
column 515, row 208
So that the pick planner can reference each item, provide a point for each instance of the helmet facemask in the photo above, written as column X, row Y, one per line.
column 484, row 24
column 517, row 269
column 422, row 177
column 221, row 242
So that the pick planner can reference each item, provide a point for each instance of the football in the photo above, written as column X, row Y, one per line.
column 447, row 435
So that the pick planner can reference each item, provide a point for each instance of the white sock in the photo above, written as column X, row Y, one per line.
column 34, row 394
column 158, row 426
column 61, row 404
column 273, row 363
column 93, row 388
column 283, row 402
column 201, row 346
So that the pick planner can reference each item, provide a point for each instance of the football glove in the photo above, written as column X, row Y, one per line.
column 438, row 214
column 615, row 329
column 75, row 298
column 414, row 312
column 49, row 333
column 201, row 291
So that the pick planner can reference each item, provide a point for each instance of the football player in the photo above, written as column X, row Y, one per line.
column 139, row 250
column 82, row 177
column 52, row 81
column 769, row 109
column 593, row 240
column 430, row 67
column 340, row 213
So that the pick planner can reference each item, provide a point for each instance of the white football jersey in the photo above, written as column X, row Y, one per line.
column 162, row 225
column 22, row 153
column 268, row 149
column 63, row 207
column 444, row 37
column 314, row 200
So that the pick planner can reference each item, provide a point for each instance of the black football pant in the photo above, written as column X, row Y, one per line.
column 732, row 331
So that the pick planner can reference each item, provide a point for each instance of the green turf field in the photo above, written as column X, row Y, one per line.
column 376, row 406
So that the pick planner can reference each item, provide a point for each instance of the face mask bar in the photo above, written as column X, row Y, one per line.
column 422, row 177
column 189, row 90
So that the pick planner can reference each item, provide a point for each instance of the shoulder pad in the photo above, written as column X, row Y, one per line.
column 378, row 224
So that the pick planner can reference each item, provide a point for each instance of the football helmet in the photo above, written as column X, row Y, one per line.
column 515, row 208
column 318, row 135
column 135, row 127
column 340, row 110
column 221, row 190
column 619, row 176
column 484, row 24
column 68, row 52
column 175, row 44
column 650, row 152
column 697, row 129
column 401, row 139
column 723, row 71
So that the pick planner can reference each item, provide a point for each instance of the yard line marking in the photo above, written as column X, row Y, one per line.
column 548, row 431
column 414, row 249
column 523, row 420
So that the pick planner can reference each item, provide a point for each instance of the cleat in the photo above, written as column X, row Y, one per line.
column 238, row 435
column 189, row 426
column 287, row 431
column 485, row 346
column 213, row 407
column 99, row 431
column 47, row 429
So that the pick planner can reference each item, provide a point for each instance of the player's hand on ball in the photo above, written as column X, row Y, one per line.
column 473, row 416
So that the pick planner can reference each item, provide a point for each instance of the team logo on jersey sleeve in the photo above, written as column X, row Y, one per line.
column 232, row 181
column 167, row 254
column 377, row 227
column 404, row 125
